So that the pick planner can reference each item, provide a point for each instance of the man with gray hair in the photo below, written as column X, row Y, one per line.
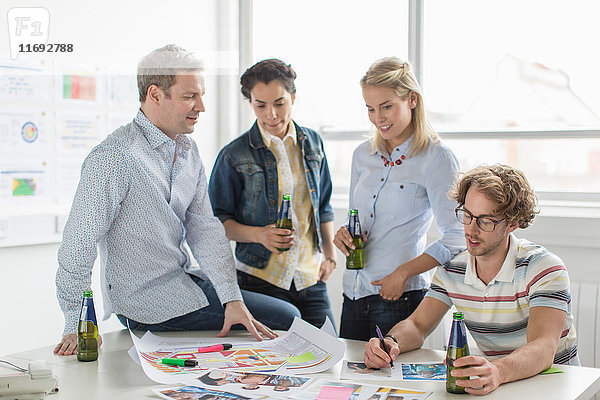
column 142, row 196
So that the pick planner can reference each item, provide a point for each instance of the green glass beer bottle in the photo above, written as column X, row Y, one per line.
column 457, row 348
column 355, row 259
column 284, row 220
column 87, row 330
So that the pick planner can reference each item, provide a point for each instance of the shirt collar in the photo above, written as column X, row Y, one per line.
column 291, row 133
column 404, row 148
column 507, row 271
column 155, row 136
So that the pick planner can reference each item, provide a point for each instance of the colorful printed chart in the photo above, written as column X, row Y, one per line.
column 305, row 349
column 29, row 132
column 79, row 87
column 23, row 187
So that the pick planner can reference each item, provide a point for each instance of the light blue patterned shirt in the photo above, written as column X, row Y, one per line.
column 396, row 206
column 139, row 208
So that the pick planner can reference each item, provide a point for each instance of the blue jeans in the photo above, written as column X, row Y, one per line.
column 360, row 316
column 313, row 302
column 274, row 313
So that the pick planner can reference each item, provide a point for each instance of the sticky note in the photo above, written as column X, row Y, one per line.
column 551, row 370
column 334, row 393
column 301, row 358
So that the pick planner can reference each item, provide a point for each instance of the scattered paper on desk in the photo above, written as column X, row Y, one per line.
column 304, row 349
column 322, row 388
column 195, row 392
column 422, row 371
column 551, row 370
column 308, row 356
column 359, row 371
column 334, row 393
column 134, row 355
column 255, row 383
column 303, row 338
column 328, row 328
column 384, row 393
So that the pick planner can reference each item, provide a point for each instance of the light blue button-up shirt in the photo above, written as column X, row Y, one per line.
column 139, row 204
column 396, row 206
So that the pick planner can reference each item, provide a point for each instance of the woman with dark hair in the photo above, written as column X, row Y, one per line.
column 275, row 157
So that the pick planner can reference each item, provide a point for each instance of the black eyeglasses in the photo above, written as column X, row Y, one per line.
column 486, row 224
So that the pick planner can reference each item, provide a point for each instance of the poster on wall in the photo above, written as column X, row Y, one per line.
column 23, row 182
column 81, row 85
column 79, row 132
column 24, row 80
column 123, row 90
column 24, row 132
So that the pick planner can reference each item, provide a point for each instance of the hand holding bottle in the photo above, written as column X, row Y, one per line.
column 476, row 374
column 273, row 238
column 343, row 240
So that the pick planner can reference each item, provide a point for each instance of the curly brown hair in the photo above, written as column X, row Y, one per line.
column 503, row 184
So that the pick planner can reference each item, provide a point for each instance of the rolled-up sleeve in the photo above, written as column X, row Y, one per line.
column 442, row 176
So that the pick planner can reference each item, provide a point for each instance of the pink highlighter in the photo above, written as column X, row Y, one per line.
column 214, row 347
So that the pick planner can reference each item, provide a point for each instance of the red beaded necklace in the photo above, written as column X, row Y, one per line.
column 389, row 163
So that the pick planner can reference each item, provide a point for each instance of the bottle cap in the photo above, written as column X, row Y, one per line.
column 353, row 212
column 458, row 315
column 287, row 196
column 87, row 293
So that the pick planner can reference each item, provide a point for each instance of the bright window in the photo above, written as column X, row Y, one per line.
column 516, row 76
column 511, row 64
column 330, row 45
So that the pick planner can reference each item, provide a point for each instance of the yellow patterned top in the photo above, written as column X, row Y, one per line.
column 301, row 262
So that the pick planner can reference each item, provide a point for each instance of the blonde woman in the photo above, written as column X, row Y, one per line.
column 400, row 180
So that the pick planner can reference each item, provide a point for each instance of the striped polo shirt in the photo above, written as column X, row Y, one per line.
column 497, row 314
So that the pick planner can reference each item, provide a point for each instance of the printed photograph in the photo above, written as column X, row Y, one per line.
column 424, row 371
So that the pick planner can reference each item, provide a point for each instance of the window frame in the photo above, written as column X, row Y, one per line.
column 415, row 55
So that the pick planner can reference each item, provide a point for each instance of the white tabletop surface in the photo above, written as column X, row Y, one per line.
column 116, row 376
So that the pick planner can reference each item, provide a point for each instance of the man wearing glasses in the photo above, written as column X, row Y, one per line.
column 514, row 294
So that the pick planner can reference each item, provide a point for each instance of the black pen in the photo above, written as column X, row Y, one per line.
column 383, row 344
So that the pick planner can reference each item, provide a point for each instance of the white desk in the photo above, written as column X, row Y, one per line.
column 115, row 376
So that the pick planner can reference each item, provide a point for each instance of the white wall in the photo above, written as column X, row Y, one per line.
column 112, row 36
column 109, row 38
column 31, row 316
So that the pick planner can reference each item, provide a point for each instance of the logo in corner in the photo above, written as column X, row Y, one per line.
column 27, row 25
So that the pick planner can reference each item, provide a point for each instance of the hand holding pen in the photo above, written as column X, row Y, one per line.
column 383, row 345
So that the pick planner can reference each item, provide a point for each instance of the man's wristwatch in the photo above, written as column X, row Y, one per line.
column 392, row 337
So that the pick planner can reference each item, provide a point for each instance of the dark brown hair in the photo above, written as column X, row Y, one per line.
column 266, row 71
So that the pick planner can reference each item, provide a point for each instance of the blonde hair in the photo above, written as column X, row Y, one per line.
column 393, row 73
column 504, row 185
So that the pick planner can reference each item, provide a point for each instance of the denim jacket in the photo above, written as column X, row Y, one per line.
column 244, row 186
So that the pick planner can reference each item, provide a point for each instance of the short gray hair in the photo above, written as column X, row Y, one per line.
column 160, row 67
